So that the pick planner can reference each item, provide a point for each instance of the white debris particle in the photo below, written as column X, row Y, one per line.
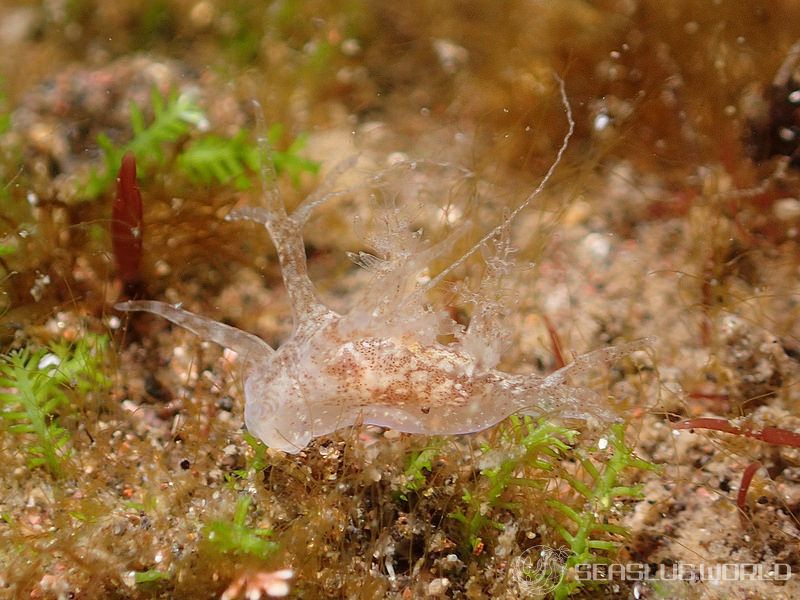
column 438, row 586
column 48, row 360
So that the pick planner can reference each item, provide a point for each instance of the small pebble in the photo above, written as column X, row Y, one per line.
column 438, row 586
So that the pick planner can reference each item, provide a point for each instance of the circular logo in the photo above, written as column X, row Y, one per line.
column 538, row 570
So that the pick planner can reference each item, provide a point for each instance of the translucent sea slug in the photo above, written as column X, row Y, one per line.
column 380, row 363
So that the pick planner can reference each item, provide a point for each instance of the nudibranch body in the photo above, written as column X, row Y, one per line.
column 380, row 363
